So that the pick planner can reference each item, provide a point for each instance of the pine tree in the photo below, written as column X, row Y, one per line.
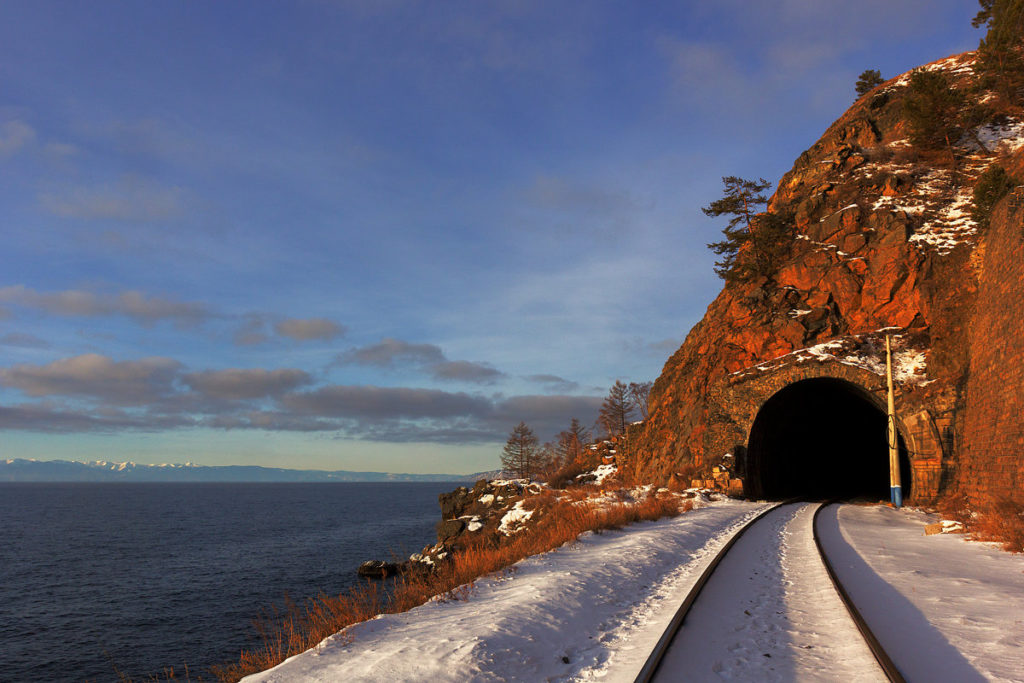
column 741, row 200
column 994, row 184
column 1001, row 51
column 868, row 81
column 761, row 236
column 521, row 456
column 935, row 112
column 616, row 409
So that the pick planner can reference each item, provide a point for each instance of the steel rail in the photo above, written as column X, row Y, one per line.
column 658, row 653
column 881, row 656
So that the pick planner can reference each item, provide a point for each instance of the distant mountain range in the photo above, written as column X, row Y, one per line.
column 22, row 470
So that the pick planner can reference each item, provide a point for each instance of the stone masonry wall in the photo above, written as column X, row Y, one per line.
column 992, row 452
column 736, row 401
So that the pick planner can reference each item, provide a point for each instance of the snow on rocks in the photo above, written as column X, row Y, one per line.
column 940, row 203
column 515, row 519
column 598, row 475
column 945, row 526
column 861, row 351
column 1003, row 136
column 946, row 213
column 603, row 472
column 950, row 226
column 957, row 65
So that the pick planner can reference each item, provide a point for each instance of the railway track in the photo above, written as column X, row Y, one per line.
column 674, row 639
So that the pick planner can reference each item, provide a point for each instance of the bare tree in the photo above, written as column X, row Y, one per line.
column 639, row 392
column 616, row 409
column 571, row 441
column 550, row 461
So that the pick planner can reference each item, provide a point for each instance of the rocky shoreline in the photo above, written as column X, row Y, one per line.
column 489, row 510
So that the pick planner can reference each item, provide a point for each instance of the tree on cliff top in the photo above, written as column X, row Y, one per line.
column 868, row 81
column 1004, row 20
column 741, row 201
column 521, row 455
column 935, row 112
column 761, row 237
column 1002, row 49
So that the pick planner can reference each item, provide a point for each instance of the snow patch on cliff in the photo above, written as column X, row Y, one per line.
column 1006, row 136
column 951, row 226
column 909, row 366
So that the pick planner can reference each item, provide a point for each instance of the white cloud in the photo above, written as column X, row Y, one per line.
column 129, row 199
column 60, row 150
column 14, row 135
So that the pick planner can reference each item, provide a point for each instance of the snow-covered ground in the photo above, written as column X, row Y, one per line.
column 770, row 613
column 589, row 610
column 594, row 609
column 945, row 608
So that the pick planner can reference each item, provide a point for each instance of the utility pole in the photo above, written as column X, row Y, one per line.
column 895, row 488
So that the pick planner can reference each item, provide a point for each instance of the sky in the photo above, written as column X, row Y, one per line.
column 377, row 235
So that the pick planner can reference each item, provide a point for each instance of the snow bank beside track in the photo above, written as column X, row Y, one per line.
column 945, row 608
column 592, row 609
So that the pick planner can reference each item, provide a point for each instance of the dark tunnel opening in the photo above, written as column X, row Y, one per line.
column 821, row 438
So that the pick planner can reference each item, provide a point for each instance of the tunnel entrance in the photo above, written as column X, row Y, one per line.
column 821, row 438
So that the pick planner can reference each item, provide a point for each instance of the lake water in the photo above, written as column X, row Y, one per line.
column 147, row 576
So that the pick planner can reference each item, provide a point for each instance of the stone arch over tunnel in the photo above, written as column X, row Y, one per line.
column 821, row 437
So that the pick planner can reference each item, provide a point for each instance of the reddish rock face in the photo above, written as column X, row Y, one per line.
column 882, row 239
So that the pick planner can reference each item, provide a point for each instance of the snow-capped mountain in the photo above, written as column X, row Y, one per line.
column 19, row 469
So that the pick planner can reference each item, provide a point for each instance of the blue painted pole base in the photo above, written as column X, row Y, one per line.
column 896, row 495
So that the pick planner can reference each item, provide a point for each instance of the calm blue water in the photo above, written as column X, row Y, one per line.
column 159, row 575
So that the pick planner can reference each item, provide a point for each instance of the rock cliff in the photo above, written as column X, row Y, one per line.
column 883, row 241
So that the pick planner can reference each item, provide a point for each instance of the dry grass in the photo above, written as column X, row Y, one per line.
column 566, row 475
column 297, row 628
column 1002, row 522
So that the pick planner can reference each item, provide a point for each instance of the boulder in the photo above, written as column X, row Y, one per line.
column 448, row 529
column 378, row 569
column 454, row 502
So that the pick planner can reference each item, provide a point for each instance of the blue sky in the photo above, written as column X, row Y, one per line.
column 377, row 235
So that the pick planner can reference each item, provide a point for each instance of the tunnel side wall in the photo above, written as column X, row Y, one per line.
column 991, row 463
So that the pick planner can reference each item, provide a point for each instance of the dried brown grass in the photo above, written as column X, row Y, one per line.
column 1001, row 521
column 297, row 628
column 566, row 475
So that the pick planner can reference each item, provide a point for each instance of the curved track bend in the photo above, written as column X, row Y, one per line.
column 770, row 607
